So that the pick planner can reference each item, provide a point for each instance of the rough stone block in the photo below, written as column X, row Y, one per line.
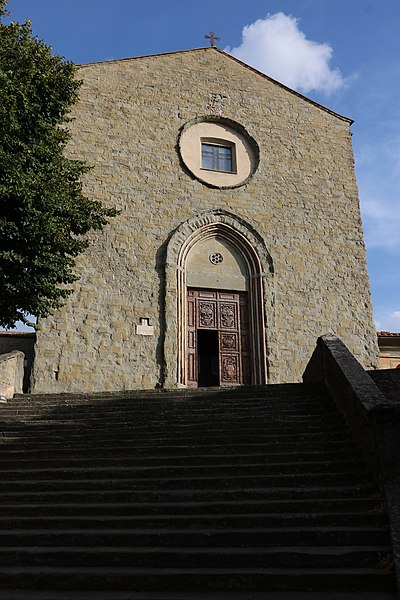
column 11, row 373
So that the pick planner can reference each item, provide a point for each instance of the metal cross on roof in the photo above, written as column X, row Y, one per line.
column 212, row 37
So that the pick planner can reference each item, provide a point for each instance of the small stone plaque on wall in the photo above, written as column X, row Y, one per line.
column 144, row 328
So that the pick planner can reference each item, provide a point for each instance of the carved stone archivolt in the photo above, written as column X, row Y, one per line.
column 259, row 268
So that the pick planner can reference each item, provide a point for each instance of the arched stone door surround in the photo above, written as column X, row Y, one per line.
column 241, row 236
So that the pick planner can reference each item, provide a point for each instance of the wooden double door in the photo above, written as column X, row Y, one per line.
column 217, row 338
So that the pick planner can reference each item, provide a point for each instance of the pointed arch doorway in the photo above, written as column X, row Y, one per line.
column 217, row 313
column 220, row 265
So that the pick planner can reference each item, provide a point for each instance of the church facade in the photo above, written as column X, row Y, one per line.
column 239, row 238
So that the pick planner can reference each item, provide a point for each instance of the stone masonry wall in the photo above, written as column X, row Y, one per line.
column 302, row 201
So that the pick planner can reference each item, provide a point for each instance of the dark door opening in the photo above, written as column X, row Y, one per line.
column 207, row 358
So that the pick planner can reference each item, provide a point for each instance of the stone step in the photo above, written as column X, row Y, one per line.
column 159, row 410
column 301, row 415
column 48, row 432
column 129, row 448
column 86, row 440
column 258, row 469
column 194, row 521
column 290, row 390
column 209, row 537
column 77, row 506
column 330, row 479
column 257, row 421
column 213, row 595
column 281, row 390
column 170, row 406
column 183, row 493
column 248, row 579
column 192, row 414
column 167, row 405
column 260, row 425
column 270, row 395
column 72, row 460
column 282, row 557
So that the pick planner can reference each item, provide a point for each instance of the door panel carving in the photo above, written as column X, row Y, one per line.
column 229, row 341
column 207, row 312
column 228, row 316
column 229, row 370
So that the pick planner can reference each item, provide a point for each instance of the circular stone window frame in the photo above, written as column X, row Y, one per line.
column 245, row 146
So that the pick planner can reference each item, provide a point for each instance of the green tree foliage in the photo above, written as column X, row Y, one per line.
column 43, row 212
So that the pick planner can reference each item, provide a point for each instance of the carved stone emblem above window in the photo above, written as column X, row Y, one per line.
column 216, row 104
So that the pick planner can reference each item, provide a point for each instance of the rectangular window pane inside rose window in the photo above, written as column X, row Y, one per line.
column 216, row 158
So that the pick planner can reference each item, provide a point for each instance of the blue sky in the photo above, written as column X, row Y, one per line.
column 344, row 54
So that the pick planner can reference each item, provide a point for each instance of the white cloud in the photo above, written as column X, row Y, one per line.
column 276, row 46
column 389, row 321
column 381, row 219
column 381, row 149
column 377, row 153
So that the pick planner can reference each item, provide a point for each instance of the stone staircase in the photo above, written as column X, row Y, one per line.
column 212, row 491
